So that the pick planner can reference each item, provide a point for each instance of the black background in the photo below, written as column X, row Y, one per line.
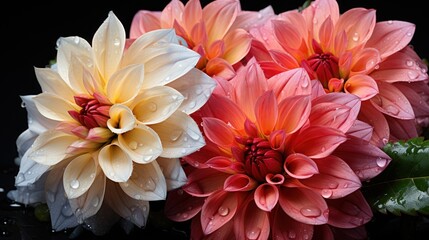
column 29, row 32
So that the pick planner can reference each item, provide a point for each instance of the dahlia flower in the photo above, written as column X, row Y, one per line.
column 217, row 31
column 280, row 162
column 354, row 54
column 106, row 133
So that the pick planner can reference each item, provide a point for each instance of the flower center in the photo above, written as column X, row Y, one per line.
column 260, row 159
column 94, row 112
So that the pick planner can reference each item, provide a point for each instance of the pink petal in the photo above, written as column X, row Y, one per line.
column 238, row 44
column 323, row 232
column 180, row 206
column 284, row 59
column 251, row 222
column 218, row 209
column 364, row 158
column 318, row 12
column 291, row 37
column 392, row 102
column 332, row 115
column 219, row 17
column 224, row 164
column 216, row 49
column 198, row 159
column 239, row 182
column 402, row 129
column 293, row 113
column 376, row 119
column 390, row 36
column 290, row 83
column 192, row 14
column 317, row 141
column 171, row 12
column 220, row 68
column 365, row 61
column 203, row 182
column 144, row 21
column 218, row 131
column 266, row 112
column 265, row 35
column 335, row 179
column 350, row 211
column 300, row 166
column 362, row 86
column 416, row 93
column 361, row 130
column 266, row 196
column 251, row 19
column 285, row 227
column 304, row 205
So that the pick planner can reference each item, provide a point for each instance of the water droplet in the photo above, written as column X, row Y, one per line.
column 323, row 149
column 195, row 136
column 409, row 34
column 223, row 211
column 305, row 236
column 381, row 162
column 175, row 135
column 66, row 210
column 392, row 109
column 133, row 145
column 326, row 193
column 409, row 63
column 412, row 75
column 292, row 234
column 19, row 178
column 183, row 151
column 192, row 104
column 23, row 104
column 95, row 201
column 390, row 22
column 185, row 215
column 152, row 106
column 116, row 42
column 198, row 90
column 149, row 185
column 76, row 40
column 253, row 234
column 385, row 140
column 304, row 84
column 74, row 184
column 355, row 37
column 311, row 212
column 333, row 185
column 315, row 21
column 138, row 197
column 377, row 67
column 180, row 191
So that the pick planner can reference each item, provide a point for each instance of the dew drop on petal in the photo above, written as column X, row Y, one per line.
column 149, row 185
column 333, row 185
column 133, row 145
column 95, row 201
column 184, row 215
column 355, row 37
column 381, row 162
column 152, row 106
column 116, row 42
column 390, row 22
column 292, row 234
column 66, row 211
column 223, row 211
column 195, row 136
column 253, row 234
column 138, row 216
column 409, row 63
column 175, row 135
column 23, row 104
column 311, row 212
column 412, row 75
column 74, row 184
column 392, row 109
column 326, row 193
column 304, row 84
column 19, row 178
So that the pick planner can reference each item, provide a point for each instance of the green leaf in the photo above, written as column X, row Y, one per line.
column 403, row 187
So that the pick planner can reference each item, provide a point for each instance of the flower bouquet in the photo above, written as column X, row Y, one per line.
column 233, row 124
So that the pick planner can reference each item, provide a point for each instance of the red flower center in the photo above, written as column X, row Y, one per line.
column 260, row 159
column 94, row 112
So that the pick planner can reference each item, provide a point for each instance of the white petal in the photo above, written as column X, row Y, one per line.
column 146, row 183
column 108, row 44
column 179, row 135
column 136, row 211
column 77, row 47
column 196, row 86
column 61, row 213
column 24, row 141
column 55, row 107
column 50, row 81
column 142, row 144
column 37, row 123
column 125, row 84
column 50, row 147
column 156, row 104
column 31, row 193
column 29, row 171
column 116, row 164
column 121, row 119
column 90, row 202
column 173, row 172
column 79, row 175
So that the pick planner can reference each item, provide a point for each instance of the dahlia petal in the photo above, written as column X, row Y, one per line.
column 115, row 162
column 318, row 13
column 224, row 164
column 264, row 37
column 144, row 21
column 290, row 83
column 179, row 135
column 284, row 60
column 294, row 112
column 156, row 104
column 125, row 84
column 204, row 182
column 50, row 147
column 251, row 222
column 196, row 86
column 141, row 144
column 68, row 48
column 224, row 232
column 326, row 33
column 218, row 131
column 146, row 183
column 362, row 86
column 324, row 232
column 332, row 115
column 390, row 36
column 108, row 44
column 180, row 206
column 219, row 67
column 199, row 36
column 416, row 93
column 37, row 123
column 24, row 142
column 335, row 179
column 358, row 32
column 173, row 10
column 402, row 129
column 218, row 209
column 216, row 49
column 364, row 158
column 82, row 146
column 289, row 35
column 136, row 211
column 50, row 81
column 364, row 61
column 252, row 19
column 376, row 119
column 79, row 175
column 266, row 112
column 30, row 171
column 361, row 130
column 294, row 229
column 304, row 205
column 121, row 120
column 60, row 211
column 318, row 141
column 392, row 102
column 300, row 166
column 218, row 17
column 99, row 134
column 350, row 211
column 173, row 172
column 199, row 158
column 238, row 45
column 266, row 196
column 90, row 202
column 192, row 14
column 239, row 182
column 54, row 107
column 31, row 193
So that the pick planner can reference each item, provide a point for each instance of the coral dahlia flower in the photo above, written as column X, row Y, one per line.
column 217, row 31
column 352, row 53
column 106, row 133
column 278, row 163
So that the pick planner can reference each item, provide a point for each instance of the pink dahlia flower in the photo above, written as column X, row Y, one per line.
column 352, row 53
column 217, row 31
column 280, row 162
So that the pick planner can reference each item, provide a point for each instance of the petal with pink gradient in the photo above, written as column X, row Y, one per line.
column 362, row 86
column 266, row 196
column 181, row 206
column 218, row 209
column 294, row 113
column 391, row 101
column 204, row 182
column 286, row 227
column 251, row 222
